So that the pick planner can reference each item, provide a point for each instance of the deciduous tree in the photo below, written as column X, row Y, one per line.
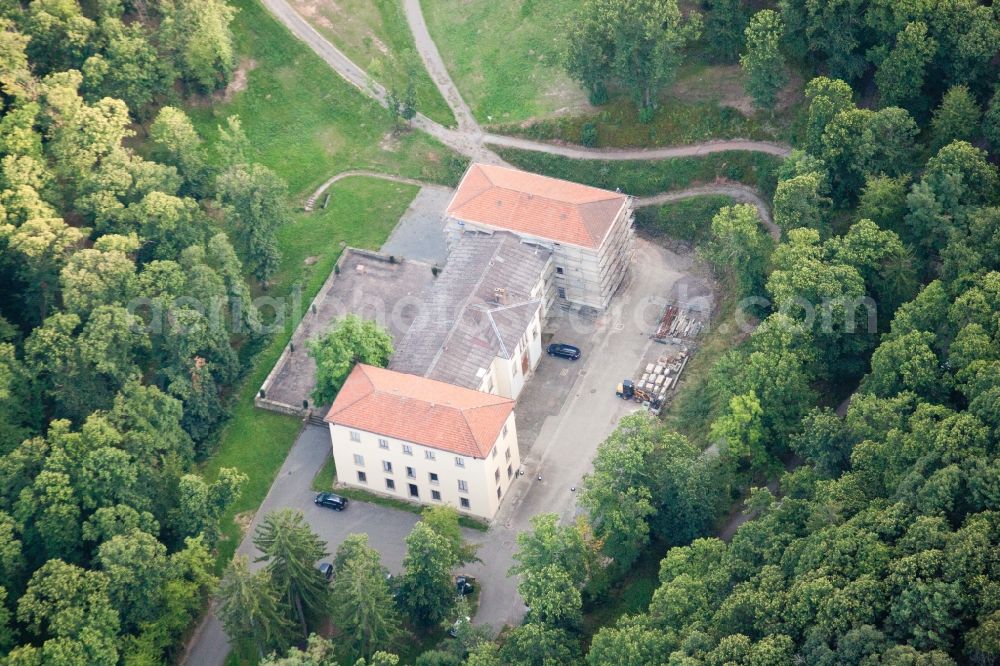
column 635, row 43
column 68, row 611
column 427, row 591
column 763, row 65
column 197, row 34
column 254, row 200
column 740, row 247
column 350, row 340
column 799, row 202
column 903, row 69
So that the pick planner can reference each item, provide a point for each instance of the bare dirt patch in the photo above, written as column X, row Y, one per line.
column 243, row 520
column 239, row 81
column 310, row 261
column 389, row 142
column 723, row 84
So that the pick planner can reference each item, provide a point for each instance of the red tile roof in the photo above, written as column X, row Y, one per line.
column 419, row 410
column 544, row 207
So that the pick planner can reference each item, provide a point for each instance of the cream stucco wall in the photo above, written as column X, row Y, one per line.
column 479, row 474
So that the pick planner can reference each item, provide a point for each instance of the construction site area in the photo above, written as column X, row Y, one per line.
column 686, row 315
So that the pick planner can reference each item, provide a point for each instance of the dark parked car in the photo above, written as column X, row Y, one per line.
column 331, row 501
column 464, row 585
column 564, row 351
column 325, row 569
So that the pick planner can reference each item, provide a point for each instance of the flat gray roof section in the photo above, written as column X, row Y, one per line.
column 478, row 308
column 368, row 285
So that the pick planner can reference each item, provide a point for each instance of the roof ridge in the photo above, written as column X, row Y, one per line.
column 460, row 311
column 472, row 431
column 360, row 367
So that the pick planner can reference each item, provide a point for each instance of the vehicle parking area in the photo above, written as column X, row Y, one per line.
column 565, row 411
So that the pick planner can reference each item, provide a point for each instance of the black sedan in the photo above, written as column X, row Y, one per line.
column 331, row 501
column 564, row 351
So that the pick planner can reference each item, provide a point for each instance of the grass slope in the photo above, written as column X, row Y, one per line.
column 361, row 213
column 646, row 177
column 375, row 35
column 307, row 123
column 688, row 220
column 503, row 56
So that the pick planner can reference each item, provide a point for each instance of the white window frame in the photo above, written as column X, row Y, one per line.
column 463, row 486
column 407, row 450
column 383, row 443
column 429, row 455
column 387, row 466
column 355, row 435
column 459, row 461
column 359, row 460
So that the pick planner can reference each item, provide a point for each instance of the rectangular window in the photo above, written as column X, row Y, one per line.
column 407, row 450
column 411, row 473
column 362, row 477
column 504, row 429
column 355, row 436
column 383, row 443
column 507, row 455
column 496, row 474
column 463, row 487
column 510, row 471
column 435, row 495
column 433, row 477
column 464, row 501
column 390, row 484
column 494, row 454
column 559, row 270
column 534, row 332
column 498, row 492
column 387, row 466
column 562, row 292
column 489, row 386
column 429, row 455
column 459, row 461
column 413, row 490
column 359, row 460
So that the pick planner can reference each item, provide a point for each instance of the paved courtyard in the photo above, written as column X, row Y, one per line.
column 420, row 232
column 565, row 411
column 368, row 285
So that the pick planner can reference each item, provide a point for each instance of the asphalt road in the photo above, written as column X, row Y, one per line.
column 616, row 343
column 386, row 529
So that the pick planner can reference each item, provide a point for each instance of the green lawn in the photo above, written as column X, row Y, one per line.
column 688, row 220
column 645, row 177
column 503, row 56
column 704, row 102
column 375, row 35
column 307, row 123
column 361, row 213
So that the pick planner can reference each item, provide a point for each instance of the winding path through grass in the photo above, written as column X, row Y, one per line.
column 469, row 138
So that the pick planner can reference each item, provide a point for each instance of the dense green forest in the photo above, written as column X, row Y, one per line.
column 130, row 251
column 125, row 318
